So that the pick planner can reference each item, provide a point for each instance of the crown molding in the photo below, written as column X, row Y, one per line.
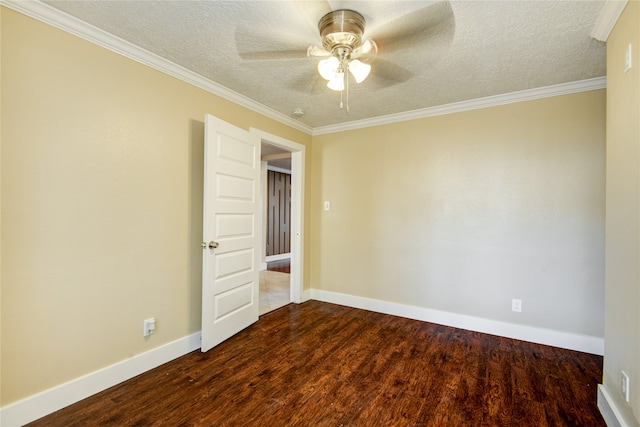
column 63, row 21
column 473, row 104
column 609, row 15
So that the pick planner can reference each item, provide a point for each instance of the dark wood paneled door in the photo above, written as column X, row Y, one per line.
column 278, row 213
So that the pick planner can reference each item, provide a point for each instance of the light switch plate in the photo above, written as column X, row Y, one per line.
column 516, row 305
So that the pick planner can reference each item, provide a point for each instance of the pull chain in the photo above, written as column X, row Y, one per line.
column 346, row 88
column 346, row 77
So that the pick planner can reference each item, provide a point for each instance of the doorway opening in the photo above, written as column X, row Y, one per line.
column 284, row 156
column 275, row 283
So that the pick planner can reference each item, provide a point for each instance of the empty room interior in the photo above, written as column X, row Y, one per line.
column 463, row 211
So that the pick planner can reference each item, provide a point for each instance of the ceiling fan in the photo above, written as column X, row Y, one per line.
column 345, row 50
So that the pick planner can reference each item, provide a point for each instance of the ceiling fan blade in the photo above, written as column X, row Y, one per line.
column 387, row 73
column 317, row 51
column 273, row 54
column 309, row 84
column 312, row 11
column 253, row 44
column 367, row 52
column 433, row 24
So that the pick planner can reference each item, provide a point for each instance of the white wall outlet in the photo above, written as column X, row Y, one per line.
column 628, row 58
column 327, row 205
column 624, row 385
column 516, row 305
column 149, row 326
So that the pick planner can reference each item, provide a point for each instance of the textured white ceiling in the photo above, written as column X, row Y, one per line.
column 449, row 51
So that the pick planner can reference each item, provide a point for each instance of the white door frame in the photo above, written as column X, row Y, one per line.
column 297, row 207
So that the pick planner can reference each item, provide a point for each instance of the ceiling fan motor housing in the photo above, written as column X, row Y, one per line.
column 341, row 28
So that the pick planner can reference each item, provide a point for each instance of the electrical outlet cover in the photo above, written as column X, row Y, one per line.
column 624, row 385
column 149, row 326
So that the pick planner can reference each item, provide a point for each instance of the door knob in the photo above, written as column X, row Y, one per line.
column 211, row 245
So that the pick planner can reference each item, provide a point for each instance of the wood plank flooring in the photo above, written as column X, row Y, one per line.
column 319, row 364
column 283, row 266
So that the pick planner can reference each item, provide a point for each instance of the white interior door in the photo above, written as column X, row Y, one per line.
column 231, row 230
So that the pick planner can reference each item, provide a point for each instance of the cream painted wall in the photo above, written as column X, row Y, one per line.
column 463, row 212
column 622, row 298
column 0, row 208
column 101, row 178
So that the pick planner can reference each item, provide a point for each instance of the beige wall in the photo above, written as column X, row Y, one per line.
column 622, row 308
column 463, row 212
column 102, row 163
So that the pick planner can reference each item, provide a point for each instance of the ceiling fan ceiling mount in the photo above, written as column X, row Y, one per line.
column 341, row 28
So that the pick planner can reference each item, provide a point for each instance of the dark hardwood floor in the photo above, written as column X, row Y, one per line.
column 283, row 266
column 319, row 364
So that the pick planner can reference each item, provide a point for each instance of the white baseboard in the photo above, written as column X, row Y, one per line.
column 305, row 296
column 262, row 266
column 584, row 343
column 278, row 257
column 56, row 398
column 609, row 410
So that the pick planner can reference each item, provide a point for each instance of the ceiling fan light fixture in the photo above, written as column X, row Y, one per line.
column 328, row 67
column 359, row 70
column 337, row 81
